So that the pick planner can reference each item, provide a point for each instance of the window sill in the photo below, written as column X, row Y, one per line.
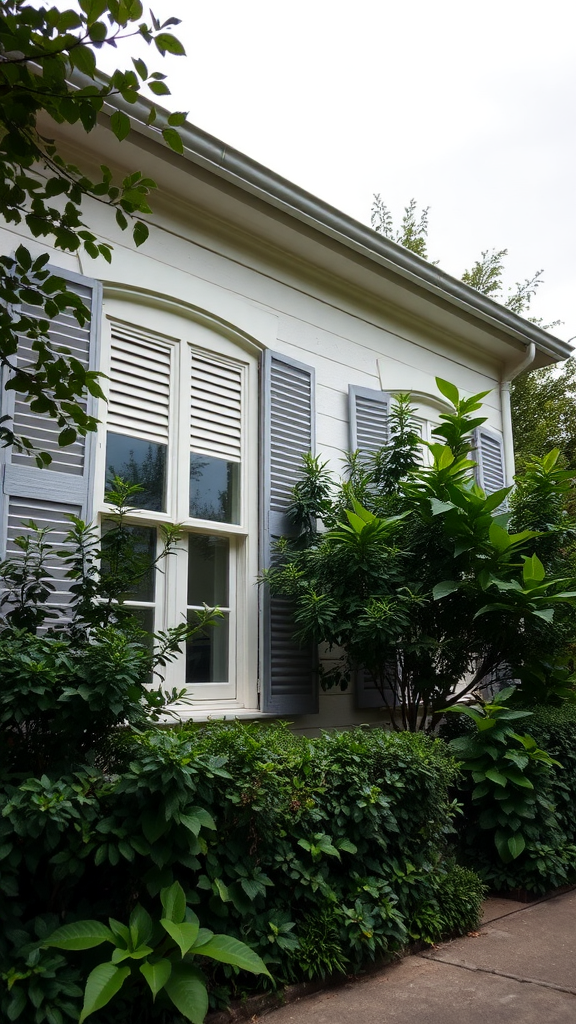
column 212, row 714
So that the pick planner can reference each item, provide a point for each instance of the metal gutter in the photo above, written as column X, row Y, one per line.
column 208, row 152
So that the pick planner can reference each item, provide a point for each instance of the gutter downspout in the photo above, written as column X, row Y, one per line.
column 507, row 432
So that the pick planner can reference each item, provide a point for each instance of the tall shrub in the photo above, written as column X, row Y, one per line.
column 417, row 575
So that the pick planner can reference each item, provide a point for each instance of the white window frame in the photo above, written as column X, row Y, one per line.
column 182, row 335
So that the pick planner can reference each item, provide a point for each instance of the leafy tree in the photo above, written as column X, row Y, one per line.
column 544, row 414
column 48, row 71
column 543, row 401
column 486, row 274
column 417, row 576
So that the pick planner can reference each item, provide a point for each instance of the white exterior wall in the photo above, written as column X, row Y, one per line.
column 197, row 268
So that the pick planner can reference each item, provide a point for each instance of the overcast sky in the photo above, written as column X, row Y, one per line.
column 470, row 108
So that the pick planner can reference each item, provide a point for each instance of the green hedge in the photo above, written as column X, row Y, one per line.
column 319, row 853
column 549, row 860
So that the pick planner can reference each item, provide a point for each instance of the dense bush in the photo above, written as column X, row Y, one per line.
column 519, row 827
column 318, row 853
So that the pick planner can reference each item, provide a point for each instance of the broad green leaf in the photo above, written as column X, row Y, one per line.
column 184, row 934
column 518, row 778
column 533, row 569
column 364, row 514
column 140, row 925
column 495, row 499
column 355, row 521
column 496, row 776
column 516, row 844
column 80, row 935
column 187, row 990
column 171, row 136
column 177, row 118
column 167, row 43
column 444, row 588
column 120, row 124
column 499, row 538
column 231, row 951
column 450, row 391
column 438, row 506
column 156, row 975
column 140, row 233
column 174, row 902
column 102, row 984
column 347, row 846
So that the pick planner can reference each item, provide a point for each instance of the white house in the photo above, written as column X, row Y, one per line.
column 256, row 324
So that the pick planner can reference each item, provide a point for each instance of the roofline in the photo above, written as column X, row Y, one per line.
column 210, row 153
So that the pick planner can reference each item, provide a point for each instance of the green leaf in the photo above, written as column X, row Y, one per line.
column 177, row 118
column 67, row 437
column 80, row 935
column 102, row 984
column 159, row 88
column 173, row 902
column 443, row 589
column 187, row 990
column 496, row 776
column 171, row 136
column 450, row 391
column 140, row 926
column 120, row 124
column 140, row 232
column 156, row 975
column 167, row 43
column 516, row 844
column 184, row 934
column 231, row 951
column 533, row 569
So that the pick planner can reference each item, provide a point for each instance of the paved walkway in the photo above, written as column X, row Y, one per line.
column 520, row 968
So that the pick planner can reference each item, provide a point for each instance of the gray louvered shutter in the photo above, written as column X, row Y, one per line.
column 369, row 424
column 65, row 487
column 369, row 431
column 288, row 671
column 489, row 454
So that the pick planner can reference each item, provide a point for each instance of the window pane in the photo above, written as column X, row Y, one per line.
column 214, row 489
column 207, row 655
column 208, row 570
column 138, row 462
column 127, row 557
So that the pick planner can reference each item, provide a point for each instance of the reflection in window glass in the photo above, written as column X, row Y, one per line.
column 214, row 489
column 137, row 461
column 207, row 654
column 207, row 570
column 130, row 552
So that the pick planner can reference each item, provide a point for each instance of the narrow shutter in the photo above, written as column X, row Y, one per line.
column 288, row 671
column 490, row 471
column 369, row 423
column 139, row 391
column 369, row 431
column 65, row 487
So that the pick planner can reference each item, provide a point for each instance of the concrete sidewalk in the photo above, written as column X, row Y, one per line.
column 520, row 968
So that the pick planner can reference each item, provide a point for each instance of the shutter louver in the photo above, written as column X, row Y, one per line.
column 489, row 453
column 216, row 409
column 65, row 332
column 291, row 430
column 139, row 398
column 369, row 426
column 48, row 496
column 54, row 515
column 288, row 675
